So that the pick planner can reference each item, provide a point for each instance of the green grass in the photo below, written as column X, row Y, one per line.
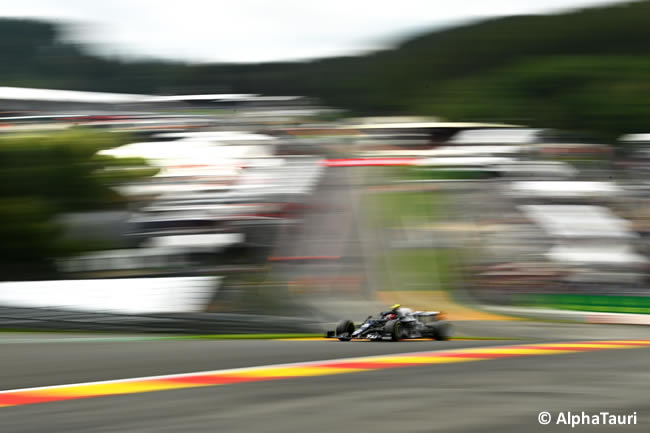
column 432, row 173
column 392, row 209
column 445, row 174
column 390, row 212
column 422, row 268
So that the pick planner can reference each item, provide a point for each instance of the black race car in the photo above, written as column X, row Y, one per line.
column 396, row 324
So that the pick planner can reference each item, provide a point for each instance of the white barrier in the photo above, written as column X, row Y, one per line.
column 124, row 295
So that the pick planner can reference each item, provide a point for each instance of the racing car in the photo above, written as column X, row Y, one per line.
column 396, row 324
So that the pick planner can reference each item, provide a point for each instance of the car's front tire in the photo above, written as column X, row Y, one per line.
column 344, row 330
column 394, row 330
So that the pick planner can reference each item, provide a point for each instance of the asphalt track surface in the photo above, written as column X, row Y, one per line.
column 502, row 395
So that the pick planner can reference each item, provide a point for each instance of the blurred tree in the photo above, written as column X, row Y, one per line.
column 583, row 93
column 43, row 175
column 27, row 236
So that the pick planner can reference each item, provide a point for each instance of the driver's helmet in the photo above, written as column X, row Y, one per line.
column 392, row 314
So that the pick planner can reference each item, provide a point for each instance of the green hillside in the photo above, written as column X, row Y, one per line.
column 585, row 70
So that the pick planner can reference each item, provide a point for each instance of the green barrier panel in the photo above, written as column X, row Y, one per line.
column 602, row 303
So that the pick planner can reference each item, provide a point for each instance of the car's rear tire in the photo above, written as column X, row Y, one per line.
column 344, row 330
column 441, row 330
column 394, row 330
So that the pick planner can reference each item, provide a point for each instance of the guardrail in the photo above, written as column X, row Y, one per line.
column 185, row 323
